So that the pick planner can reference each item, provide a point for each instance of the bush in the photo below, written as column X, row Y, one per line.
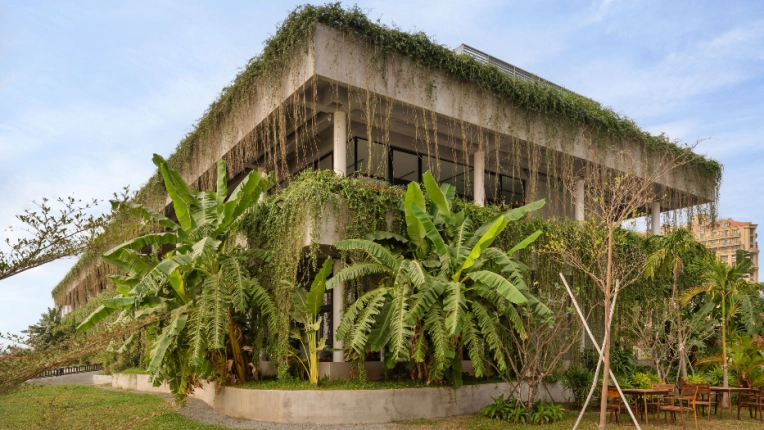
column 578, row 381
column 644, row 380
column 510, row 410
column 546, row 413
column 696, row 379
column 715, row 376
column 623, row 361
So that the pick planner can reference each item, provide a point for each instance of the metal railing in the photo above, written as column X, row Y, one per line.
column 60, row 371
column 507, row 68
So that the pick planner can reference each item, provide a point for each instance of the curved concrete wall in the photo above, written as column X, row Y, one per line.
column 344, row 406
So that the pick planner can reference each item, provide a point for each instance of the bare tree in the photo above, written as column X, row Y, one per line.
column 548, row 340
column 600, row 248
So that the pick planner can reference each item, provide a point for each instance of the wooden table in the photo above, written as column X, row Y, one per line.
column 643, row 393
column 729, row 391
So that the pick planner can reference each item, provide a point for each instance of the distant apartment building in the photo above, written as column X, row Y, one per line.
column 726, row 237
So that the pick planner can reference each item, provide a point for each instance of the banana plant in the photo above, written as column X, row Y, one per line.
column 307, row 306
column 199, row 286
column 448, row 289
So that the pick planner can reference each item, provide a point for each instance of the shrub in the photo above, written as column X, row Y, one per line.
column 644, row 380
column 508, row 410
column 696, row 379
column 578, row 381
column 546, row 413
column 715, row 376
column 623, row 361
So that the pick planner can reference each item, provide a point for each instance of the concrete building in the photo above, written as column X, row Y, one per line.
column 727, row 236
column 336, row 103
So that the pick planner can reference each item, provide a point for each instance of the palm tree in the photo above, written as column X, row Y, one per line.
column 447, row 290
column 727, row 287
column 668, row 258
column 200, row 285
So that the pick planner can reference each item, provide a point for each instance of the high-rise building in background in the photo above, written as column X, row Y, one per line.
column 726, row 237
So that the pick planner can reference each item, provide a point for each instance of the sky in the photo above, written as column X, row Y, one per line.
column 90, row 89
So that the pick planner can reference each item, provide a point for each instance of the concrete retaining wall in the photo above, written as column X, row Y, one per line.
column 343, row 406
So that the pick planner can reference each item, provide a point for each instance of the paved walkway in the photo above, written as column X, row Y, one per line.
column 84, row 378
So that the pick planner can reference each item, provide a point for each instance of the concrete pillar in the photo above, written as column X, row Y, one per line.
column 261, row 171
column 340, row 141
column 338, row 298
column 655, row 221
column 578, row 199
column 478, row 178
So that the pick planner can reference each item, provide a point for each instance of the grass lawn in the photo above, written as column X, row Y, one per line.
column 589, row 423
column 88, row 407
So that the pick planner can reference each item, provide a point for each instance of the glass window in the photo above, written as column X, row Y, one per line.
column 504, row 189
column 326, row 162
column 445, row 171
column 358, row 158
column 405, row 168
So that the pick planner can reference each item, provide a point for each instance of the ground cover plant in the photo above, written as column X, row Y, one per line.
column 88, row 407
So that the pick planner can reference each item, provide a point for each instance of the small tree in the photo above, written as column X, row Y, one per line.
column 600, row 248
column 548, row 339
column 725, row 286
column 668, row 257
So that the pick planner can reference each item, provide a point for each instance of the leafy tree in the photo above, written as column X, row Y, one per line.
column 200, row 284
column 46, row 331
column 447, row 290
column 668, row 257
column 54, row 231
column 725, row 286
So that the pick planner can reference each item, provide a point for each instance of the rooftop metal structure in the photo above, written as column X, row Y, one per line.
column 507, row 68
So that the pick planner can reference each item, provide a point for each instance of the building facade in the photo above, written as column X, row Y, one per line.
column 338, row 99
column 726, row 237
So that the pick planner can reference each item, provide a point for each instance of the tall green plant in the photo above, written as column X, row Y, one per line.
column 446, row 291
column 724, row 286
column 307, row 306
column 200, row 285
column 668, row 257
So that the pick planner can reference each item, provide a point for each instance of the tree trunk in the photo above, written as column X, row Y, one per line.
column 680, row 333
column 725, row 396
column 606, row 342
column 605, row 367
column 238, row 357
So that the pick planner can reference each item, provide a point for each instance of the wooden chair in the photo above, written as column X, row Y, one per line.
column 660, row 399
column 707, row 399
column 614, row 404
column 688, row 394
column 754, row 401
column 744, row 383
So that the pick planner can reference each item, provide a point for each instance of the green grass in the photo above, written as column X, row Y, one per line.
column 589, row 423
column 296, row 384
column 87, row 407
column 133, row 371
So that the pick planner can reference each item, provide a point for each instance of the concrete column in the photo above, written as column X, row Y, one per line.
column 340, row 141
column 261, row 171
column 655, row 221
column 478, row 178
column 338, row 298
column 578, row 199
